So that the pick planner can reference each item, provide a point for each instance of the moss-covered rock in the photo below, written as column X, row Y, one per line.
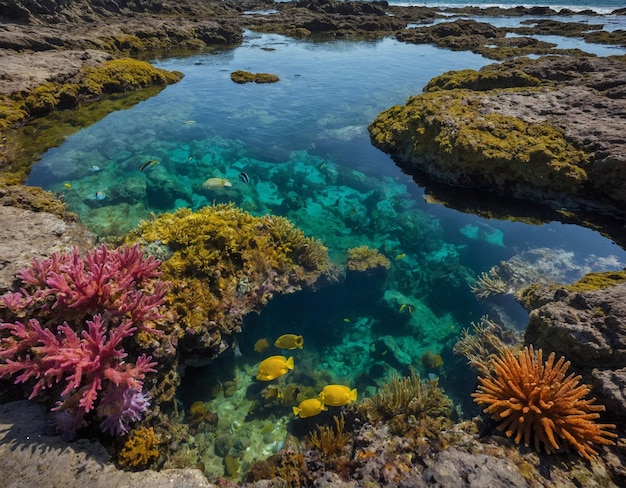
column 452, row 136
column 241, row 77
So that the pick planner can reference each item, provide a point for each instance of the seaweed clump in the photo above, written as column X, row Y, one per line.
column 486, row 340
column 410, row 403
column 140, row 449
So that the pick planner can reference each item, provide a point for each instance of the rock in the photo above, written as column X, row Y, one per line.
column 32, row 457
column 34, row 235
column 571, row 152
column 474, row 469
column 588, row 328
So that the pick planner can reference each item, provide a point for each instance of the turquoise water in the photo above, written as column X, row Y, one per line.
column 304, row 145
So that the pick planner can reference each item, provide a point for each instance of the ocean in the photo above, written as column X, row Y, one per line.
column 602, row 6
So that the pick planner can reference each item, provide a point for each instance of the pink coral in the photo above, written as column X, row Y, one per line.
column 115, row 283
column 83, row 363
column 100, row 301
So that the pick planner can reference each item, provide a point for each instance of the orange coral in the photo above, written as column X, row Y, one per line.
column 141, row 448
column 528, row 398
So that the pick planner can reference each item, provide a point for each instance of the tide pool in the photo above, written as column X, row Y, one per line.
column 304, row 148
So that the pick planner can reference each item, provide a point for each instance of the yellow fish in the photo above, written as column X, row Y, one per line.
column 309, row 408
column 289, row 341
column 401, row 256
column 261, row 345
column 213, row 183
column 273, row 367
column 409, row 308
column 346, row 320
column 337, row 395
column 67, row 185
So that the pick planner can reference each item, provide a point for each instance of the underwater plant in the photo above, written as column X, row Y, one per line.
column 530, row 399
column 407, row 396
column 486, row 340
column 330, row 441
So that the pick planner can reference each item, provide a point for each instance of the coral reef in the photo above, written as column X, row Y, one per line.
column 225, row 263
column 530, row 399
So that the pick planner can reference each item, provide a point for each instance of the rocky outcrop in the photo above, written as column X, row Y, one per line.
column 549, row 130
column 588, row 327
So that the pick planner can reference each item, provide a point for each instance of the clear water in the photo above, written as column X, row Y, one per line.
column 304, row 145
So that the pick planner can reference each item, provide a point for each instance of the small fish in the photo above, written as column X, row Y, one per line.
column 401, row 256
column 337, row 395
column 411, row 309
column 190, row 159
column 402, row 307
column 273, row 367
column 94, row 168
column 189, row 122
column 244, row 177
column 309, row 408
column 67, row 185
column 323, row 165
column 289, row 341
column 100, row 195
column 346, row 320
column 148, row 164
column 262, row 345
column 213, row 183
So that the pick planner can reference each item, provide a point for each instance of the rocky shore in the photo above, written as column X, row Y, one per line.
column 575, row 146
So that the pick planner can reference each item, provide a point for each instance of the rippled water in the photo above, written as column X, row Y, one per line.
column 304, row 145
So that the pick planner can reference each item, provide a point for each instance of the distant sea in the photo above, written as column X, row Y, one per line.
column 599, row 6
